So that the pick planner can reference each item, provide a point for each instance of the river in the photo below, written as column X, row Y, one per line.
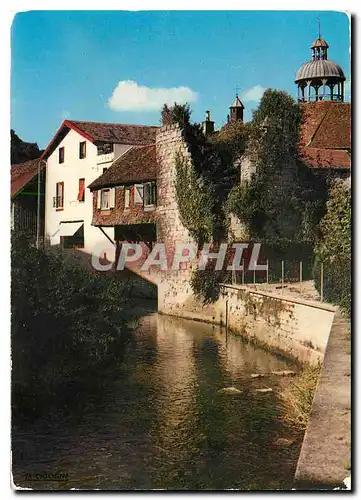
column 161, row 422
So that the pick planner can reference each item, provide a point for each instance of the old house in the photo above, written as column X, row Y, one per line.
column 76, row 156
column 125, row 197
column 28, row 198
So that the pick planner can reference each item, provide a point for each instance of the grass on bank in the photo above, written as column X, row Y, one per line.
column 297, row 398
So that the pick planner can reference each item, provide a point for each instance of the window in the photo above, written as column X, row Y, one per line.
column 105, row 148
column 81, row 193
column 82, row 150
column 127, row 197
column 138, row 194
column 106, row 199
column 61, row 155
column 105, row 169
column 149, row 194
column 58, row 200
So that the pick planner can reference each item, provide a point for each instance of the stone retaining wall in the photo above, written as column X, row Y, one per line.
column 295, row 327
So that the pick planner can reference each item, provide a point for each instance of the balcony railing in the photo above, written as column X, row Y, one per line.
column 326, row 97
column 58, row 202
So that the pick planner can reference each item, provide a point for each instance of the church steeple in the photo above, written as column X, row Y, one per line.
column 236, row 110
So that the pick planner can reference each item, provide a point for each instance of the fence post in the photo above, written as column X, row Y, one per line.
column 233, row 276
column 267, row 272
column 321, row 279
column 300, row 276
column 254, row 276
column 242, row 271
column 282, row 274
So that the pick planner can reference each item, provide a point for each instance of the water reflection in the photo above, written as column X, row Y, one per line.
column 161, row 422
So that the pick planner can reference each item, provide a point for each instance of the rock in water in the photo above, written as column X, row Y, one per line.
column 268, row 389
column 229, row 390
column 284, row 442
column 284, row 373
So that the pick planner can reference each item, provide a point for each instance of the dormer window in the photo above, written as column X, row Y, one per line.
column 105, row 148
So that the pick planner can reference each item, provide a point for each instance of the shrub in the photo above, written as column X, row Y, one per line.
column 334, row 248
column 66, row 322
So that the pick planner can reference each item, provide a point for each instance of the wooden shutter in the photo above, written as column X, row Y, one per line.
column 98, row 194
column 127, row 198
column 138, row 194
column 112, row 198
column 81, row 192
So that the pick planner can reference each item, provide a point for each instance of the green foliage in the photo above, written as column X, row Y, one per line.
column 282, row 201
column 297, row 398
column 206, row 283
column 334, row 248
column 178, row 113
column 203, row 184
column 65, row 323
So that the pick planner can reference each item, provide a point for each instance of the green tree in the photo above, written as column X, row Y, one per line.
column 334, row 247
column 282, row 200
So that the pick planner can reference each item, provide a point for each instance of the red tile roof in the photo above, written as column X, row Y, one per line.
column 135, row 135
column 22, row 174
column 326, row 134
column 118, row 133
column 325, row 158
column 138, row 164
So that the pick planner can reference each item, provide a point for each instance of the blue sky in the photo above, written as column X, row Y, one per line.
column 68, row 64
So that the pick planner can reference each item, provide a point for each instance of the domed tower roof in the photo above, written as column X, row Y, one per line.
column 319, row 69
column 315, row 75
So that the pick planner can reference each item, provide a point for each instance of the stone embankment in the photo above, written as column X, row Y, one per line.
column 325, row 458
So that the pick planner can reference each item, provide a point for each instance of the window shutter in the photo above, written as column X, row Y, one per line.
column 127, row 197
column 138, row 194
column 112, row 198
column 98, row 199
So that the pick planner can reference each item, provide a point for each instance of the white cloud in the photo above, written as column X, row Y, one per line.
column 129, row 96
column 253, row 94
column 348, row 89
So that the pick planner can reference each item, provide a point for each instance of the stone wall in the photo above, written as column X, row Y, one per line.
column 294, row 327
column 170, row 230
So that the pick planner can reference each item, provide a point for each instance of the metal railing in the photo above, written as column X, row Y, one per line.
column 284, row 274
column 58, row 201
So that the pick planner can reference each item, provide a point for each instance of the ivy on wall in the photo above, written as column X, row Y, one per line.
column 282, row 201
column 203, row 184
column 195, row 201
column 334, row 247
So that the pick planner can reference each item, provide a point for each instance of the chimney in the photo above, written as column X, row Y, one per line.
column 208, row 124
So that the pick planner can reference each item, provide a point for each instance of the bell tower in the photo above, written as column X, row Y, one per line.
column 236, row 110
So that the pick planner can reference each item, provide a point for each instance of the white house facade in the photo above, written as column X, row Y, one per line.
column 78, row 154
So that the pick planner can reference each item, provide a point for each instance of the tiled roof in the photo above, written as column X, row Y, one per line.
column 118, row 133
column 21, row 174
column 135, row 135
column 136, row 165
column 325, row 158
column 326, row 134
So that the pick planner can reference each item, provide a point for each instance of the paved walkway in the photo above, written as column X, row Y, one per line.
column 326, row 449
